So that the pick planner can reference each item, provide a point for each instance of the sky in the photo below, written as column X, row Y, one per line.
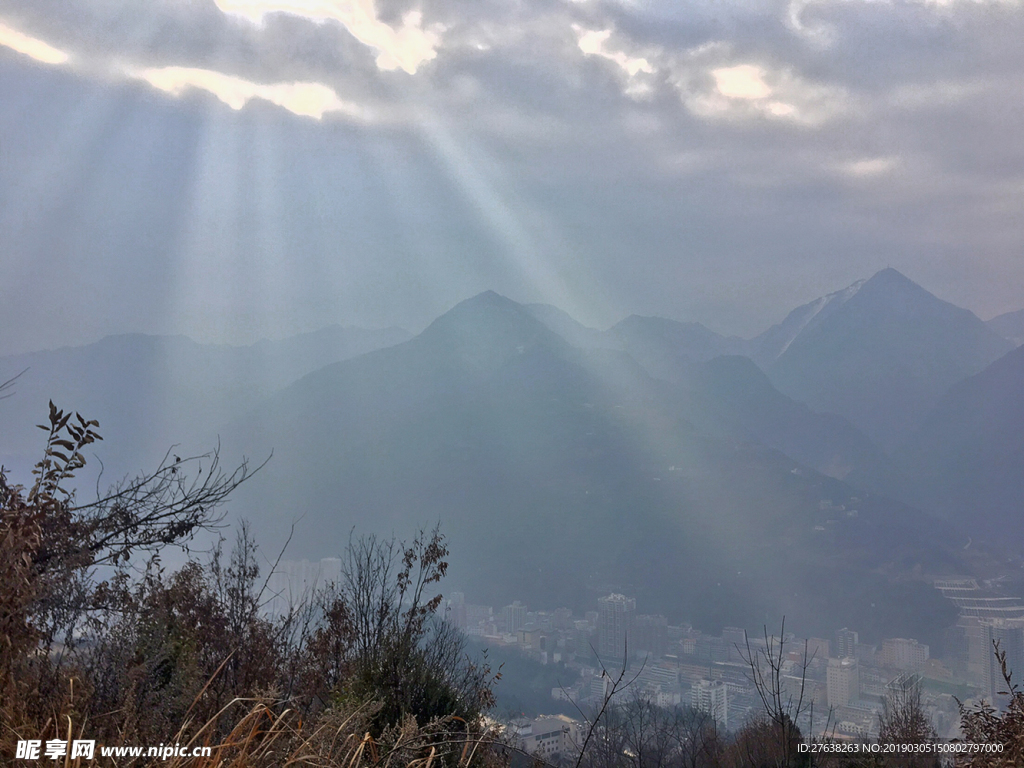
column 239, row 169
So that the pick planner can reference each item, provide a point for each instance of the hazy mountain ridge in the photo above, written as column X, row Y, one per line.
column 884, row 356
column 557, row 469
column 966, row 461
column 1010, row 326
column 149, row 392
column 645, row 455
column 667, row 348
column 743, row 396
column 725, row 395
column 766, row 348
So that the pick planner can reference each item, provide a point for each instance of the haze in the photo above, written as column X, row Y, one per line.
column 243, row 169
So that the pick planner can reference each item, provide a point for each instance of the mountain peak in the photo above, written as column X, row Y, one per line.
column 488, row 296
column 490, row 320
column 892, row 280
column 890, row 337
column 485, row 302
column 890, row 273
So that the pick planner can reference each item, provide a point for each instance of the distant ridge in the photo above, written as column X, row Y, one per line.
column 150, row 392
column 881, row 353
column 966, row 461
column 724, row 392
column 1010, row 326
column 560, row 470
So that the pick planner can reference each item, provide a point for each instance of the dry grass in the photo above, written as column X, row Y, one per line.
column 261, row 733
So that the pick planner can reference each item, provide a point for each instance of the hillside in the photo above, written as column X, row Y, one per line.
column 966, row 461
column 882, row 354
column 151, row 392
column 1010, row 326
column 560, row 473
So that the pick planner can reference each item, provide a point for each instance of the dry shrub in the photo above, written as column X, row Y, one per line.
column 985, row 725
column 132, row 659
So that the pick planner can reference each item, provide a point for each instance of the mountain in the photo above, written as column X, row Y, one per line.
column 151, row 392
column 559, row 473
column 738, row 396
column 766, row 348
column 966, row 461
column 669, row 349
column 1010, row 326
column 722, row 391
column 880, row 353
column 570, row 329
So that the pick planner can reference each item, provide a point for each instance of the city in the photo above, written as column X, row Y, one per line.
column 841, row 680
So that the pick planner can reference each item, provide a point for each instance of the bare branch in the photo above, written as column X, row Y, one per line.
column 7, row 385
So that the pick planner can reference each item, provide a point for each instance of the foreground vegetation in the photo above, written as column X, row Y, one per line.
column 98, row 641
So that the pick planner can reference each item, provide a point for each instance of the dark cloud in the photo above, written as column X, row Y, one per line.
column 619, row 180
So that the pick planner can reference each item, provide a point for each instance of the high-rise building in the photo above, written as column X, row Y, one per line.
column 614, row 627
column 982, row 667
column 650, row 637
column 293, row 581
column 457, row 614
column 846, row 643
column 735, row 640
column 904, row 654
column 712, row 696
column 842, row 682
column 515, row 617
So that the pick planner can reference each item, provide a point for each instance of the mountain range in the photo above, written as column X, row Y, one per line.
column 823, row 470
column 151, row 392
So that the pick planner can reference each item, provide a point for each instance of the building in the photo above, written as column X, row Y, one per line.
column 515, row 617
column 982, row 667
column 846, row 644
column 614, row 627
column 818, row 648
column 600, row 687
column 904, row 654
column 457, row 614
column 294, row 581
column 479, row 620
column 842, row 682
column 735, row 640
column 650, row 637
column 562, row 619
column 550, row 737
column 973, row 601
column 712, row 697
column 903, row 686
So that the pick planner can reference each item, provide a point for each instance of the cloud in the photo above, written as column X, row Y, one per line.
column 690, row 133
column 304, row 99
column 869, row 167
column 594, row 42
column 744, row 81
column 747, row 91
column 406, row 47
column 30, row 46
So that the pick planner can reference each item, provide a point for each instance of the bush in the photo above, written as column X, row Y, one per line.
column 360, row 668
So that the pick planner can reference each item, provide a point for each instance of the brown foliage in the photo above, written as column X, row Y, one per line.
column 133, row 659
column 985, row 725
